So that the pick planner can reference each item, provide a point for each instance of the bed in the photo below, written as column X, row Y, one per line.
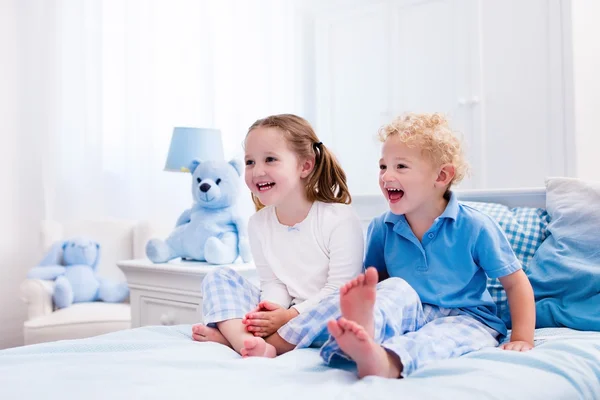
column 163, row 362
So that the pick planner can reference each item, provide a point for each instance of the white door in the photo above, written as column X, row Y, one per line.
column 378, row 59
column 498, row 69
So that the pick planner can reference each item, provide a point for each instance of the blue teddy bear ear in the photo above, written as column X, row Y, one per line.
column 193, row 165
column 237, row 165
column 97, row 260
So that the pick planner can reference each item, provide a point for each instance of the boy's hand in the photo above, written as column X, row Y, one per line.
column 518, row 345
column 267, row 318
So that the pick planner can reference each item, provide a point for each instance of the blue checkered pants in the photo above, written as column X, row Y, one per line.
column 227, row 295
column 419, row 333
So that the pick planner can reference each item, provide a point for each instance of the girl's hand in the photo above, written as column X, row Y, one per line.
column 267, row 318
column 262, row 306
column 258, row 308
column 518, row 345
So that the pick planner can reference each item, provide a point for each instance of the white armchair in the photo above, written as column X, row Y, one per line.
column 119, row 240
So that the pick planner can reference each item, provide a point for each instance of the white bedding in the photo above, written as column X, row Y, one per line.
column 163, row 362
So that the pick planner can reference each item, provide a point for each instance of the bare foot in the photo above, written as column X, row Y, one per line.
column 203, row 333
column 257, row 347
column 370, row 358
column 357, row 299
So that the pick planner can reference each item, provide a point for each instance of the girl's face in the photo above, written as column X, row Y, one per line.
column 273, row 172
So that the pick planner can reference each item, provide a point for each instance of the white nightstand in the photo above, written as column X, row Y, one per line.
column 170, row 293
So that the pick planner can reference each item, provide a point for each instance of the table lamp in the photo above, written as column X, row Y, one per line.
column 188, row 144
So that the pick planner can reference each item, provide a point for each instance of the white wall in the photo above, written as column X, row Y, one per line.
column 586, row 73
column 11, row 310
column 21, row 204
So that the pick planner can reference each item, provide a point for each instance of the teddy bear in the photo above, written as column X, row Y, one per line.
column 72, row 265
column 212, row 230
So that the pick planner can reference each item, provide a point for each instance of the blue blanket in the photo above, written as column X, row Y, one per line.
column 163, row 362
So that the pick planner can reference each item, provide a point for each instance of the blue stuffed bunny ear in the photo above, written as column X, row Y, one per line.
column 97, row 260
column 54, row 255
column 237, row 165
column 193, row 165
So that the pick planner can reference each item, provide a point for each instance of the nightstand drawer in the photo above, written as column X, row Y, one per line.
column 171, row 293
column 155, row 311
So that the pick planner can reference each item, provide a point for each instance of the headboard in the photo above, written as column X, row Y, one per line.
column 371, row 206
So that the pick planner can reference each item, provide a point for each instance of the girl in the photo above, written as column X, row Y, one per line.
column 305, row 239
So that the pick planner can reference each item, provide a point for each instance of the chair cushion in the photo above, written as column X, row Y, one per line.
column 80, row 320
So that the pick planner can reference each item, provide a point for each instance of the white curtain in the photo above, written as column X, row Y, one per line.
column 125, row 72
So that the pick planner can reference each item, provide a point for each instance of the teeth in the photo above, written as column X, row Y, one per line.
column 394, row 190
column 265, row 186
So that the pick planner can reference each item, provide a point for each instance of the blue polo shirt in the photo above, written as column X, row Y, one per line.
column 450, row 266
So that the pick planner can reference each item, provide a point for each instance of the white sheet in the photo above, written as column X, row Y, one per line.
column 163, row 362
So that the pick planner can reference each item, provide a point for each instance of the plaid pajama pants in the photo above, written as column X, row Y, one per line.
column 227, row 295
column 418, row 333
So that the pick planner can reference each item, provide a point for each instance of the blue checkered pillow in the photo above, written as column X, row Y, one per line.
column 526, row 229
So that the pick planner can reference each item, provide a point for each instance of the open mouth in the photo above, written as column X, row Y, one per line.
column 265, row 186
column 394, row 195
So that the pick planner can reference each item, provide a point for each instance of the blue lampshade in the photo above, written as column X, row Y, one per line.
column 188, row 144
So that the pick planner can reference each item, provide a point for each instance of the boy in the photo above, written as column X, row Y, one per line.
column 436, row 255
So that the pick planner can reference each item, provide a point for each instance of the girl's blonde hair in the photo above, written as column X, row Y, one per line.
column 432, row 134
column 327, row 181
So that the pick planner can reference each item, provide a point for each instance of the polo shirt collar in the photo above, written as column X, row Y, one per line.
column 451, row 212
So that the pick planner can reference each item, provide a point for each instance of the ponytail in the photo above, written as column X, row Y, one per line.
column 257, row 204
column 327, row 183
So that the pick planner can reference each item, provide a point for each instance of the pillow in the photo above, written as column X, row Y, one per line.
column 525, row 229
column 565, row 271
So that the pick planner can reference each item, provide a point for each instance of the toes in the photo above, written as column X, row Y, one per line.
column 359, row 280
column 351, row 326
column 249, row 344
column 334, row 328
column 371, row 276
column 198, row 338
column 344, row 323
column 354, row 327
column 200, row 329
column 347, row 286
column 353, row 283
column 244, row 352
column 361, row 334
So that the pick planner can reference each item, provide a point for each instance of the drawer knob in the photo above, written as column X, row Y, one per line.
column 166, row 319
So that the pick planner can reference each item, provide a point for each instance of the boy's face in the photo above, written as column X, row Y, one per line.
column 406, row 177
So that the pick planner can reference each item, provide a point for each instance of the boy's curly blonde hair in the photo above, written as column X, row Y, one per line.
column 432, row 134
